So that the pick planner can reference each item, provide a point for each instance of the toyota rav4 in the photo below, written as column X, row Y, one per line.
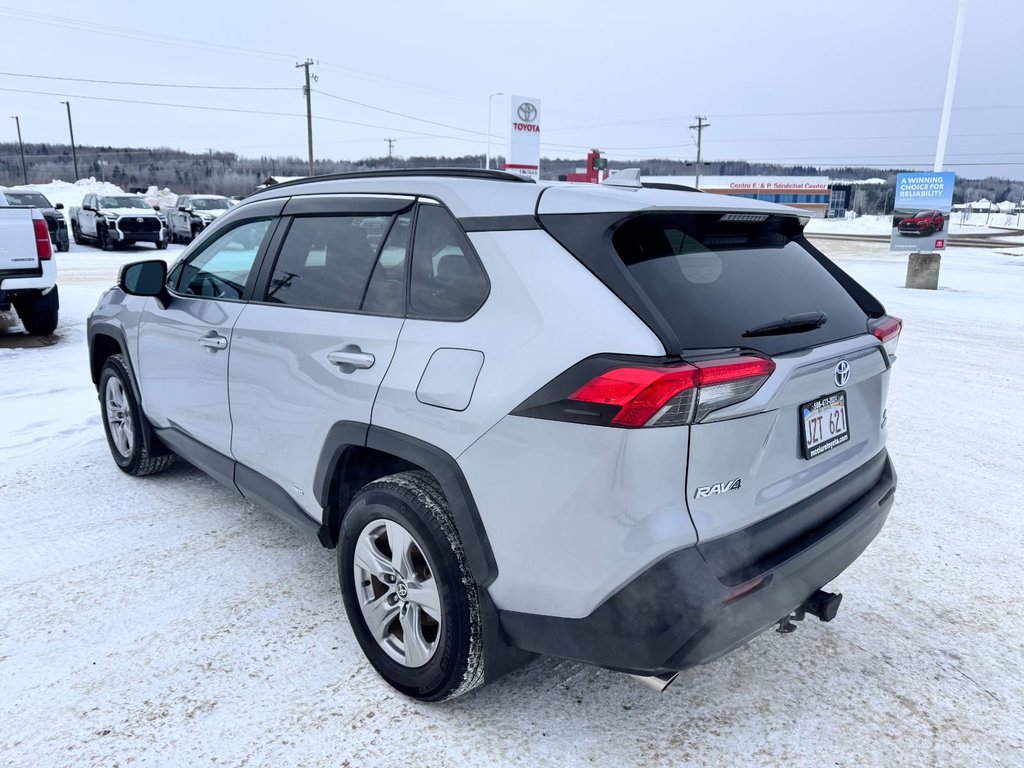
column 628, row 426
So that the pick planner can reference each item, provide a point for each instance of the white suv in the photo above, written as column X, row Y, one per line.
column 629, row 426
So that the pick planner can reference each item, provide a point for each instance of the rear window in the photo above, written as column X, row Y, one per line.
column 711, row 280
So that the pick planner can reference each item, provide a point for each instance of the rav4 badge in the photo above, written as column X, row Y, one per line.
column 716, row 489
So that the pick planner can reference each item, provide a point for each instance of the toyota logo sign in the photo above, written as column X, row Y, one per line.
column 842, row 373
column 527, row 112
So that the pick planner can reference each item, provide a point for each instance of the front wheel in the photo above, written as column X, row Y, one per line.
column 76, row 234
column 123, row 421
column 409, row 595
column 104, row 239
column 161, row 245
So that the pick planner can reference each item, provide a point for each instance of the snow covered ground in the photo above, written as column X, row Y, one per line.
column 959, row 224
column 164, row 622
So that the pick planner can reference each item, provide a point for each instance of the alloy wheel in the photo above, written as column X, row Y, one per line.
column 118, row 413
column 397, row 594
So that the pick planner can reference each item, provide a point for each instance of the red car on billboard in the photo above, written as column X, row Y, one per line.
column 922, row 223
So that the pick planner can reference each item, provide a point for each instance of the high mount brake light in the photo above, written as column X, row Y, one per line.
column 887, row 330
column 674, row 394
column 43, row 250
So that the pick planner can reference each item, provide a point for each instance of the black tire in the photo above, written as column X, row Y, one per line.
column 63, row 247
column 103, row 239
column 76, row 235
column 193, row 234
column 40, row 322
column 132, row 457
column 161, row 245
column 414, row 500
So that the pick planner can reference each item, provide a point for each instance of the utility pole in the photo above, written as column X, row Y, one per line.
column 702, row 123
column 309, row 109
column 391, row 144
column 487, row 159
column 71, row 130
column 24, row 170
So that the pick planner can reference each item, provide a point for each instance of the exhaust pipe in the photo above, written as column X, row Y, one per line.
column 657, row 682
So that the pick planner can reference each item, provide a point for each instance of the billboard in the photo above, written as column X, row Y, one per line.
column 920, row 220
column 524, row 137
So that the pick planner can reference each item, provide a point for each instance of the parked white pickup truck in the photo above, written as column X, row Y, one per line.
column 28, row 274
column 121, row 219
column 193, row 214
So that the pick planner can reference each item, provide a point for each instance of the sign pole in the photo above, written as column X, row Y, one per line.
column 947, row 104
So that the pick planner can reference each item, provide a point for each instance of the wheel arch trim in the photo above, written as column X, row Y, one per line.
column 346, row 434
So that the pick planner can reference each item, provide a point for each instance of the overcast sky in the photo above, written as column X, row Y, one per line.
column 829, row 83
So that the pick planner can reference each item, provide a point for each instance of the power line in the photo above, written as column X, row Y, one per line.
column 151, row 85
column 399, row 114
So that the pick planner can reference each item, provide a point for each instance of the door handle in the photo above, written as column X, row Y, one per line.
column 213, row 340
column 353, row 358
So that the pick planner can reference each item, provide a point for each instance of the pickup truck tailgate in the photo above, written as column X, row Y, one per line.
column 17, row 242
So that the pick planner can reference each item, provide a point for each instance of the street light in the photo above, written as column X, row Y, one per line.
column 24, row 170
column 74, row 154
column 487, row 161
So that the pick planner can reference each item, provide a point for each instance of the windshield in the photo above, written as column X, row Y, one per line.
column 209, row 204
column 27, row 198
column 125, row 201
column 922, row 215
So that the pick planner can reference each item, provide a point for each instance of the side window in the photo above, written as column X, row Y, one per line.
column 325, row 261
column 447, row 282
column 220, row 270
column 385, row 293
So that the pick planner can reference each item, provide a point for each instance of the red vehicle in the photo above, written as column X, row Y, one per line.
column 923, row 223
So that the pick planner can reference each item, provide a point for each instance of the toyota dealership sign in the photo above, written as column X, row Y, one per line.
column 524, row 137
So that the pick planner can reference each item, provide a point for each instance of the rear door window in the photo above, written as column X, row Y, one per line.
column 447, row 282
column 325, row 262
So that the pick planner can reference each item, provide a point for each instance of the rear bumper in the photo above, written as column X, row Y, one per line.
column 677, row 614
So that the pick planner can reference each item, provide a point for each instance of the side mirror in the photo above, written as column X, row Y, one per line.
column 182, row 209
column 143, row 278
column 59, row 207
column 156, row 207
column 87, row 207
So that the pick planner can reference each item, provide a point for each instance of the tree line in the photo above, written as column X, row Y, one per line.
column 227, row 173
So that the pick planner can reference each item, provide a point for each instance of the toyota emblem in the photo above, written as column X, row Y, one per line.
column 139, row 220
column 527, row 112
column 842, row 373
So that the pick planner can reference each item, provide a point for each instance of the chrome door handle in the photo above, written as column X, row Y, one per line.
column 213, row 341
column 353, row 358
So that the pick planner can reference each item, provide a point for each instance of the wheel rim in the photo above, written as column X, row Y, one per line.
column 397, row 593
column 118, row 412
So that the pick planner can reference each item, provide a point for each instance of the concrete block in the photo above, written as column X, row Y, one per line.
column 923, row 271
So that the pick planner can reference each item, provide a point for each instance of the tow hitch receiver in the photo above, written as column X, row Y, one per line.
column 823, row 605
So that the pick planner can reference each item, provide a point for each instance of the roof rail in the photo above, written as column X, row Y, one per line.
column 669, row 185
column 462, row 173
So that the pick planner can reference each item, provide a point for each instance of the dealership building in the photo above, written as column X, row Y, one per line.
column 818, row 195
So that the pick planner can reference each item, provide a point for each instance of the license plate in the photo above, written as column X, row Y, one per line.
column 823, row 424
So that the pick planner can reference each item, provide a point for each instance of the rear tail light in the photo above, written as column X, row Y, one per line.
column 887, row 330
column 43, row 249
column 637, row 395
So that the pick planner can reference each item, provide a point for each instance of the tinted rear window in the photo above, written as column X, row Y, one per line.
column 710, row 280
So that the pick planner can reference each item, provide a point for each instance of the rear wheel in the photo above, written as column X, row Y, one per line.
column 408, row 592
column 37, row 322
column 123, row 421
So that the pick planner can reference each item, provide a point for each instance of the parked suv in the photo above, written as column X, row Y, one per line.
column 111, row 220
column 922, row 223
column 628, row 426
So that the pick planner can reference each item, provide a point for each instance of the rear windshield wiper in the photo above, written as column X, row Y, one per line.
column 805, row 321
